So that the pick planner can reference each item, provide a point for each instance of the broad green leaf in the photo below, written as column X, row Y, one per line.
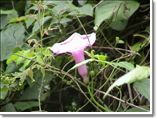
column 104, row 11
column 87, row 9
column 21, row 57
column 12, row 67
column 67, row 6
column 11, row 38
column 137, row 74
column 29, row 21
column 143, row 87
column 115, row 13
column 64, row 21
column 6, row 16
column 9, row 108
column 39, row 23
column 124, row 64
column 21, row 106
column 61, row 7
column 12, row 59
column 30, row 93
column 125, row 11
column 4, row 21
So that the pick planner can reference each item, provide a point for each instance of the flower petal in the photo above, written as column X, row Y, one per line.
column 74, row 43
column 90, row 38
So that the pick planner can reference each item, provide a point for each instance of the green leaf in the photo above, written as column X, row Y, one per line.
column 123, row 64
column 46, row 52
column 30, row 73
column 64, row 21
column 87, row 9
column 12, row 67
column 11, row 38
column 30, row 93
column 39, row 23
column 67, row 6
column 137, row 46
column 119, row 41
column 3, row 92
column 6, row 16
column 21, row 57
column 9, row 108
column 118, row 12
column 61, row 7
column 29, row 21
column 39, row 59
column 21, row 106
column 125, row 11
column 141, row 44
column 143, row 87
column 101, row 57
column 137, row 74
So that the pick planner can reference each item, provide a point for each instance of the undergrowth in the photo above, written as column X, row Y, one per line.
column 35, row 79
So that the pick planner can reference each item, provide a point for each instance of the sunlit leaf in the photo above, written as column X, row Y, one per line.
column 124, row 64
column 137, row 74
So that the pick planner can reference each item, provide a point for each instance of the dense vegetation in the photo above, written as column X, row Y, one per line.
column 35, row 79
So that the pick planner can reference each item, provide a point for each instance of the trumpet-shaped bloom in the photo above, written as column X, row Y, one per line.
column 76, row 44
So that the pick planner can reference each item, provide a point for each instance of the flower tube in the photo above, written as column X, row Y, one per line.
column 76, row 44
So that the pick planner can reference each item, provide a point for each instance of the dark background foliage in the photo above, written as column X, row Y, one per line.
column 33, row 79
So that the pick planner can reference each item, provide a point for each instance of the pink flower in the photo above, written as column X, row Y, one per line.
column 76, row 45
